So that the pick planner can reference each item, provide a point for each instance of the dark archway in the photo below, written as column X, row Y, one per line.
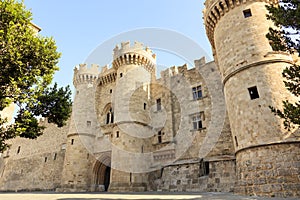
column 101, row 176
column 106, row 178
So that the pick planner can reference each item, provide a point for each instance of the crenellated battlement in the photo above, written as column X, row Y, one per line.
column 180, row 70
column 137, row 54
column 83, row 74
column 215, row 9
column 173, row 71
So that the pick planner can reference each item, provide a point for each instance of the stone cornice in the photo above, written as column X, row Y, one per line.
column 263, row 62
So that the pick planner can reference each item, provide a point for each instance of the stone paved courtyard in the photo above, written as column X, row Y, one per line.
column 115, row 196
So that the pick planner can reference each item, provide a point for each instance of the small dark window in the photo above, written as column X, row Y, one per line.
column 117, row 134
column 19, row 149
column 206, row 168
column 87, row 156
column 159, row 137
column 107, row 117
column 236, row 141
column 72, row 141
column 253, row 93
column 110, row 116
column 247, row 13
column 88, row 123
column 130, row 177
column 121, row 75
column 46, row 159
column 110, row 90
column 77, row 92
column 145, row 106
column 158, row 104
column 55, row 155
column 142, row 149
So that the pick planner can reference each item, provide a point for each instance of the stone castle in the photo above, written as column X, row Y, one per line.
column 205, row 128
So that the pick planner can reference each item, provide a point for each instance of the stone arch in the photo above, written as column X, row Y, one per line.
column 101, row 173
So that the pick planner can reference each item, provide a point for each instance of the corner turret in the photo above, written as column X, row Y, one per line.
column 252, row 78
column 85, row 75
column 81, row 134
column 136, row 54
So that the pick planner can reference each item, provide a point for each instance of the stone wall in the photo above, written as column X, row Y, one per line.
column 195, row 176
column 272, row 170
column 221, row 175
column 76, row 173
column 34, row 164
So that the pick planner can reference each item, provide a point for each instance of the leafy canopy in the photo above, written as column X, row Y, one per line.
column 286, row 37
column 28, row 62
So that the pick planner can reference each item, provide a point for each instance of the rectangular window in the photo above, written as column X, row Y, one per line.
column 88, row 123
column 55, row 155
column 158, row 104
column 253, row 92
column 236, row 141
column 247, row 13
column 159, row 137
column 19, row 149
column 206, row 168
column 72, row 141
column 197, row 120
column 130, row 177
column 117, row 134
column 197, row 92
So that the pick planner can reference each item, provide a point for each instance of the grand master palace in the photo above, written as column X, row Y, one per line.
column 202, row 128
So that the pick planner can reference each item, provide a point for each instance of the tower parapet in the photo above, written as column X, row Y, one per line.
column 136, row 54
column 215, row 9
column 83, row 74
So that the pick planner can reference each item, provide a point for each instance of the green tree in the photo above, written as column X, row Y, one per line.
column 286, row 17
column 28, row 62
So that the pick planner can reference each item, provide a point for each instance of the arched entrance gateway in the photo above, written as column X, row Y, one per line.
column 101, row 173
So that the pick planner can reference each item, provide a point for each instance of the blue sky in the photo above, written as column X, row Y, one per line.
column 79, row 27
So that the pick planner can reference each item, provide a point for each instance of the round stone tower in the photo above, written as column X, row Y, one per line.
column 76, row 176
column 131, row 138
column 267, row 155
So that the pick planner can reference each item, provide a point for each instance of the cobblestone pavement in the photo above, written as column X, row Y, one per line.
column 115, row 196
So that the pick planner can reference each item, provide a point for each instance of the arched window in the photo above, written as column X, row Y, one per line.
column 110, row 116
column 107, row 117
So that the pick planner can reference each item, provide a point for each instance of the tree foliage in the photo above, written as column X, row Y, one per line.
column 28, row 62
column 286, row 37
